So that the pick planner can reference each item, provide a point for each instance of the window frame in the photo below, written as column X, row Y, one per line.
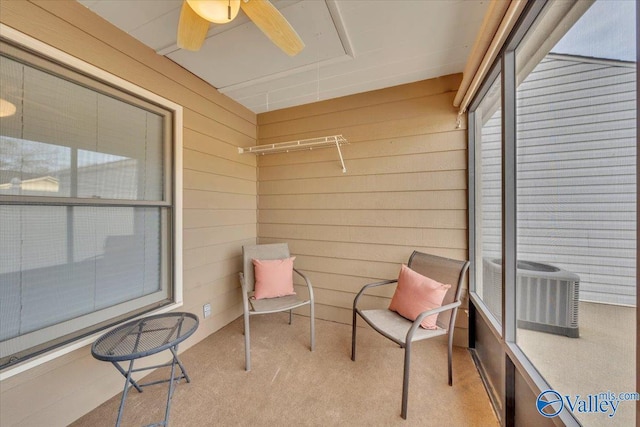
column 516, row 361
column 170, row 206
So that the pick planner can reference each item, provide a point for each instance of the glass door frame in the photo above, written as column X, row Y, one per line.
column 517, row 367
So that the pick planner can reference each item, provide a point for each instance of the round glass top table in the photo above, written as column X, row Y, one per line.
column 144, row 337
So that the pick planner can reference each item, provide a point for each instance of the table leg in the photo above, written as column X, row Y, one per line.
column 124, row 393
column 184, row 371
column 124, row 374
column 172, row 381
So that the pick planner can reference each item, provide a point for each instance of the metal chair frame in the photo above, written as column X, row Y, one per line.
column 270, row 305
column 446, row 315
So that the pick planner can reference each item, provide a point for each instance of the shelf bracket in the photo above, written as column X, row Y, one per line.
column 344, row 168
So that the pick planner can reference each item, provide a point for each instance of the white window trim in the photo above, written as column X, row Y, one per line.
column 60, row 56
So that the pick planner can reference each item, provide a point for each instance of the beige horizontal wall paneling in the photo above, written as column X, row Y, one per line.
column 409, row 181
column 382, row 235
column 349, row 268
column 42, row 390
column 202, row 218
column 202, row 255
column 212, row 272
column 198, row 199
column 200, row 237
column 17, row 381
column 352, row 102
column 222, row 293
column 207, row 123
column 194, row 160
column 395, row 119
column 455, row 199
column 444, row 218
column 447, row 160
column 199, row 180
column 376, row 166
column 205, row 143
column 402, row 109
column 219, row 299
column 213, row 323
column 351, row 283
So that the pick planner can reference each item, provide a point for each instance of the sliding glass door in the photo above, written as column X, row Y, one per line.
column 554, row 183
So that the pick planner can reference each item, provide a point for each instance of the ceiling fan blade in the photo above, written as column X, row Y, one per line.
column 273, row 25
column 192, row 29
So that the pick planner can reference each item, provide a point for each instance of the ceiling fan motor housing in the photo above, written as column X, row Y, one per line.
column 216, row 11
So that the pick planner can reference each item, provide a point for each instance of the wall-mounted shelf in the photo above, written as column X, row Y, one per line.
column 302, row 144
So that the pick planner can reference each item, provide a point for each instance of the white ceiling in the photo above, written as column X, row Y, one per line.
column 351, row 46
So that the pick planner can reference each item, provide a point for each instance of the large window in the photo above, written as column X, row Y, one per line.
column 566, row 203
column 576, row 204
column 86, row 204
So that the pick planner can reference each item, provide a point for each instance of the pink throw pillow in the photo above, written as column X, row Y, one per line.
column 415, row 294
column 274, row 277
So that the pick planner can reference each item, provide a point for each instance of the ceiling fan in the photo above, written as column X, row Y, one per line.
column 196, row 15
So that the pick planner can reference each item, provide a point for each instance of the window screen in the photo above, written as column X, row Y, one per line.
column 85, row 204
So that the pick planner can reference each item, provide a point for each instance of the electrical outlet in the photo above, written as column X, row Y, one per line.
column 206, row 310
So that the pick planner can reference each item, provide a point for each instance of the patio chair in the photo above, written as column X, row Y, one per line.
column 404, row 332
column 269, row 304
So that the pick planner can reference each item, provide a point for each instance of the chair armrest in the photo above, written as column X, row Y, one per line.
column 301, row 274
column 307, row 281
column 371, row 285
column 241, row 278
column 245, row 294
column 421, row 316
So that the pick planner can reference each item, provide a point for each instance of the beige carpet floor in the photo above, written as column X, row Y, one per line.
column 289, row 385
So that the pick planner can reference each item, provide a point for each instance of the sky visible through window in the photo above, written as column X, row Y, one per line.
column 606, row 30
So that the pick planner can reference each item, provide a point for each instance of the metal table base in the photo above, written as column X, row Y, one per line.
column 141, row 338
column 171, row 380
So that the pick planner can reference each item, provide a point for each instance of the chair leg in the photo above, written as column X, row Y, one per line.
column 405, row 380
column 450, row 367
column 290, row 316
column 312, row 326
column 247, row 344
column 353, row 337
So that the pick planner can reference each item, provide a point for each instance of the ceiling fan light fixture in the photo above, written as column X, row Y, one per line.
column 6, row 108
column 216, row 11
